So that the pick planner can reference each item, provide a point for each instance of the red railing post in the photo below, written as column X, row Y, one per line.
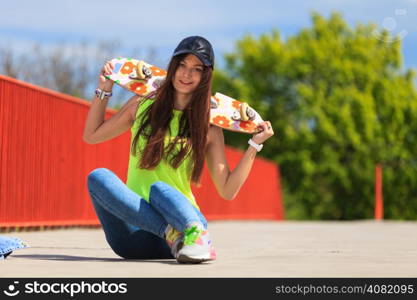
column 379, row 204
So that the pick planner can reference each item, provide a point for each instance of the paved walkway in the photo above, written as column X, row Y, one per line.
column 244, row 249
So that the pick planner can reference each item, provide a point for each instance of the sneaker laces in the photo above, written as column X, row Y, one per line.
column 191, row 234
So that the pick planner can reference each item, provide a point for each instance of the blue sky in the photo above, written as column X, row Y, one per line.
column 162, row 24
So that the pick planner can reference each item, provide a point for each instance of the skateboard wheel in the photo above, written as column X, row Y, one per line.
column 236, row 116
column 147, row 72
column 243, row 111
column 213, row 103
column 142, row 71
column 250, row 112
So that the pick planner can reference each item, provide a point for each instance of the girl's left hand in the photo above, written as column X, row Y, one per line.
column 265, row 133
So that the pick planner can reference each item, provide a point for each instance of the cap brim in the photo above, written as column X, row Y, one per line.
column 202, row 58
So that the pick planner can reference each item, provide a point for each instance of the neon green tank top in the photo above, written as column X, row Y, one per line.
column 140, row 180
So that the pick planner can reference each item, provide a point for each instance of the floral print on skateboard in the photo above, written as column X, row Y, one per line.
column 136, row 76
column 233, row 115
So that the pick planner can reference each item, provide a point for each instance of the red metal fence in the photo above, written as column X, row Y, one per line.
column 44, row 164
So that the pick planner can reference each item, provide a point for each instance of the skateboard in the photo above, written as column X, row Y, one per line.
column 142, row 79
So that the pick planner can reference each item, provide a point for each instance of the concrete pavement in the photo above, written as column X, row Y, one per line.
column 244, row 249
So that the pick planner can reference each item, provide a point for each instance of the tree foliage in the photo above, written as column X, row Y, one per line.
column 340, row 102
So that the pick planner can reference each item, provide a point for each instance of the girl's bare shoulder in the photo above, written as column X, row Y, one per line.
column 215, row 135
column 134, row 104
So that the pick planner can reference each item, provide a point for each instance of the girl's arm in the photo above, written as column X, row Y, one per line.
column 228, row 183
column 97, row 129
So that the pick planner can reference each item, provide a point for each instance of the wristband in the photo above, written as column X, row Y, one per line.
column 102, row 94
column 258, row 147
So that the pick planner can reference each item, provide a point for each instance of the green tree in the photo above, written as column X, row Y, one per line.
column 340, row 102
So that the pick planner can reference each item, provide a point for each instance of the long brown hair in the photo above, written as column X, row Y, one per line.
column 193, row 126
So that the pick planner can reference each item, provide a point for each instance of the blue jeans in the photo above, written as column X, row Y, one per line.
column 9, row 244
column 134, row 228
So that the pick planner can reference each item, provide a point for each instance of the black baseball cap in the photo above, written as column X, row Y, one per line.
column 198, row 46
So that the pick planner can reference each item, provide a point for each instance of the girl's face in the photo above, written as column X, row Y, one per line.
column 188, row 75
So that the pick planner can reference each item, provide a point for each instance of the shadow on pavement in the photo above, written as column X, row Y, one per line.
column 85, row 258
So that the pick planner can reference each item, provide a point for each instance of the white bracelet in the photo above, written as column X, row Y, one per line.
column 102, row 94
column 258, row 147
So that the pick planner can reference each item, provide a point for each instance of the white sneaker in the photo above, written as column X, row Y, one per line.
column 197, row 246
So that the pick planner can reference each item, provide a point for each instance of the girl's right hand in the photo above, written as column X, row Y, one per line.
column 104, row 83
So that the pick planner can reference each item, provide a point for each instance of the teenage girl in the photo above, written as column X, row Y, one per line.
column 155, row 215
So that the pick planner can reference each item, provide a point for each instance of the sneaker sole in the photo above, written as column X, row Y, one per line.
column 184, row 259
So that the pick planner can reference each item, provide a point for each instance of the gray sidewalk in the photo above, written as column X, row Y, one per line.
column 244, row 249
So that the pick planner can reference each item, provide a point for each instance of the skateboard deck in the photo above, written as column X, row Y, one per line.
column 142, row 79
